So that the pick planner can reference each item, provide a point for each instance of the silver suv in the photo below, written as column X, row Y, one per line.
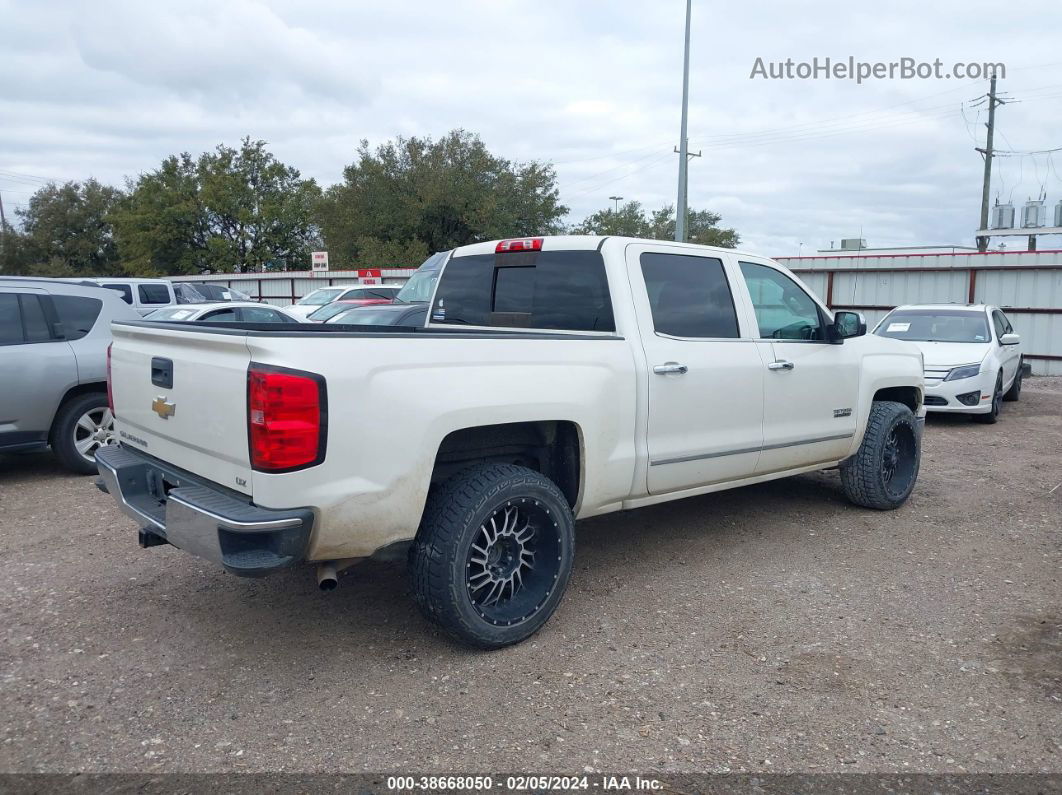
column 53, row 367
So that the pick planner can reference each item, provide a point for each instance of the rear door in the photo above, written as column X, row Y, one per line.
column 811, row 387
column 705, row 377
column 181, row 395
column 36, row 367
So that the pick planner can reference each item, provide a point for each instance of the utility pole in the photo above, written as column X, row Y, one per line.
column 616, row 199
column 3, row 223
column 680, row 209
column 686, row 186
column 982, row 240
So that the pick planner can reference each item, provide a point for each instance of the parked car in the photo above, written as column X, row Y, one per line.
column 973, row 359
column 216, row 292
column 147, row 295
column 224, row 312
column 364, row 294
column 387, row 315
column 556, row 378
column 53, row 368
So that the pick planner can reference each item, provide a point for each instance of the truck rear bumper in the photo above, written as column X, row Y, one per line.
column 201, row 517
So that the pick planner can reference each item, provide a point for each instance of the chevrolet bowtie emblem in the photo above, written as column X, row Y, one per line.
column 162, row 408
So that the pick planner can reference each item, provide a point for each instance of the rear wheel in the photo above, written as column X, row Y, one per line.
column 882, row 473
column 82, row 426
column 1014, row 392
column 992, row 416
column 493, row 554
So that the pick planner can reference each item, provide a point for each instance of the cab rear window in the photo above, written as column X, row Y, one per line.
column 555, row 290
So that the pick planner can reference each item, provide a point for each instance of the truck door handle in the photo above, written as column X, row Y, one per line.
column 781, row 364
column 671, row 367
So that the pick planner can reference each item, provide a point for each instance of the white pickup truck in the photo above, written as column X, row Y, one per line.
column 556, row 378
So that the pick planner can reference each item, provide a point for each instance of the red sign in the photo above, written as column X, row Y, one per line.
column 370, row 276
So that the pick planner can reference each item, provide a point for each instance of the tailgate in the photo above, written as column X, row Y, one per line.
column 181, row 396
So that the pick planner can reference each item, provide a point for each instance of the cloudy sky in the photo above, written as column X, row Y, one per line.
column 107, row 89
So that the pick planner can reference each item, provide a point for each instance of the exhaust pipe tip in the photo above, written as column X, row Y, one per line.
column 327, row 579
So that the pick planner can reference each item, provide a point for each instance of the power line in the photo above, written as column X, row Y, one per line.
column 594, row 188
column 1019, row 153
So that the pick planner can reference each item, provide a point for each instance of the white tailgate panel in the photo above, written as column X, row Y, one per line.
column 207, row 432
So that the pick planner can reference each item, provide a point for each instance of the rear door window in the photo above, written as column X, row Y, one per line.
column 34, row 324
column 153, row 293
column 10, row 319
column 23, row 320
column 556, row 290
column 77, row 314
column 689, row 296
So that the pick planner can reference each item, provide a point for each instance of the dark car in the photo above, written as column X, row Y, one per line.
column 384, row 315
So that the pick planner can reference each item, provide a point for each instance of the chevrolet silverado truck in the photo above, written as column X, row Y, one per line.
column 555, row 378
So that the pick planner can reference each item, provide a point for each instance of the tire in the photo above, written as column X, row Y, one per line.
column 882, row 473
column 473, row 547
column 72, row 438
column 992, row 416
column 1014, row 393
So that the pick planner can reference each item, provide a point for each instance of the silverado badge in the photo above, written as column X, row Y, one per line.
column 162, row 408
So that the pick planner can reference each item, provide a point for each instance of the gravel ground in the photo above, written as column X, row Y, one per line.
column 771, row 628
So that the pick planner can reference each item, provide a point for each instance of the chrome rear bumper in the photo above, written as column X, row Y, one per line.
column 201, row 517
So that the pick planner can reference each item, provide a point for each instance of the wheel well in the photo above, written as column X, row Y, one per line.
column 908, row 395
column 550, row 447
column 77, row 391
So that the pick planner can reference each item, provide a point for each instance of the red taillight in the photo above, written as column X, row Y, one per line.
column 110, row 390
column 519, row 244
column 286, row 416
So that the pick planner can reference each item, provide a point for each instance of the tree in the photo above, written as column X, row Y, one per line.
column 228, row 210
column 66, row 231
column 413, row 196
column 162, row 225
column 631, row 221
column 702, row 226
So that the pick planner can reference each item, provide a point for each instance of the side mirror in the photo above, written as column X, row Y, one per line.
column 1010, row 339
column 845, row 325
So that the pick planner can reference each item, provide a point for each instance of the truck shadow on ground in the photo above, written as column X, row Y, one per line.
column 372, row 611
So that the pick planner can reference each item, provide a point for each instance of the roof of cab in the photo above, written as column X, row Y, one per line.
column 591, row 242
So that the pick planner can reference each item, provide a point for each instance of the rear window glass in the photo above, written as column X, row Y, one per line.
column 77, row 314
column 220, row 316
column 123, row 289
column 559, row 290
column 261, row 314
column 153, row 294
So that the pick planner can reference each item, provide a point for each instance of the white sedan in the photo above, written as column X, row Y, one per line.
column 224, row 312
column 973, row 359
column 360, row 295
